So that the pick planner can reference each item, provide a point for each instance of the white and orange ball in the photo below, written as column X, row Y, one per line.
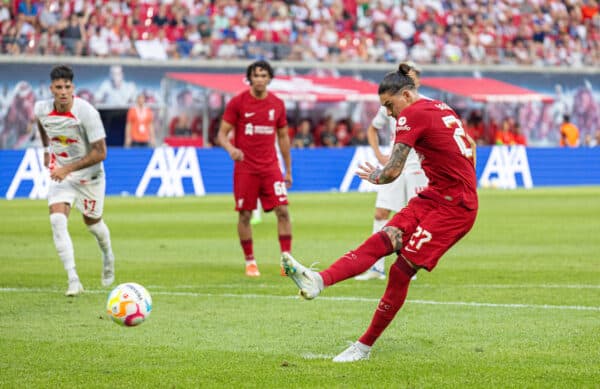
column 129, row 304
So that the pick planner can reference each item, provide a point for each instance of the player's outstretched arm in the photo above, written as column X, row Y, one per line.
column 391, row 170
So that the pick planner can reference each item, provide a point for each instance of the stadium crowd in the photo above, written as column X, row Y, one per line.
column 521, row 32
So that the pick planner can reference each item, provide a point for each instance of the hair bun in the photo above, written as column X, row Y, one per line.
column 404, row 68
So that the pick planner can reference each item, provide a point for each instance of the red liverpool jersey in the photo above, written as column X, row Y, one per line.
column 255, row 123
column 434, row 130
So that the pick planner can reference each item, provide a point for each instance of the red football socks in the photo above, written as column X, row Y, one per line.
column 248, row 249
column 357, row 261
column 285, row 243
column 391, row 302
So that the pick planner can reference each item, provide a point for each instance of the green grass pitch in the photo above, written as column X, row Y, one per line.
column 514, row 304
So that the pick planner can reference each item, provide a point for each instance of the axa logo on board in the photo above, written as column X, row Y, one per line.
column 167, row 165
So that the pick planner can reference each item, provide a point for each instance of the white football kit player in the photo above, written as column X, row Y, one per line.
column 395, row 195
column 71, row 134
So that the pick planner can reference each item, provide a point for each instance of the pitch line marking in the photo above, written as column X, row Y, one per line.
column 326, row 298
column 413, row 285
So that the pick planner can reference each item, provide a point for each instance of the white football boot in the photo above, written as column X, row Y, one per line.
column 310, row 282
column 75, row 288
column 356, row 352
column 371, row 274
column 108, row 269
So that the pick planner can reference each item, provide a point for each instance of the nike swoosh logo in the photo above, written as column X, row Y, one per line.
column 249, row 114
column 410, row 250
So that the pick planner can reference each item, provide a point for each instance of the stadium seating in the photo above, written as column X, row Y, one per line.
column 503, row 32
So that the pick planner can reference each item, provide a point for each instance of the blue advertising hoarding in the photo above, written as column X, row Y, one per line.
column 184, row 171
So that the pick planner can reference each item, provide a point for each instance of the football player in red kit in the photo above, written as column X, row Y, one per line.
column 257, row 119
column 428, row 226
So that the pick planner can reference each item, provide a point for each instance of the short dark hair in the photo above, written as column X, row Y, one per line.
column 395, row 82
column 61, row 72
column 259, row 64
column 566, row 118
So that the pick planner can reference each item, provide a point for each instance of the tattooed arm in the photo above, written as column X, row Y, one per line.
column 391, row 170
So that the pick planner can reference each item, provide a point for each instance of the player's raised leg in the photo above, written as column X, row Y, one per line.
column 350, row 264
column 102, row 234
column 377, row 271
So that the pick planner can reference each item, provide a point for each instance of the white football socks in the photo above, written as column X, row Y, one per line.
column 63, row 243
column 102, row 234
column 378, row 225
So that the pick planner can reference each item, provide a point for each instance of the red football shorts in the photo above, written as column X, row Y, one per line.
column 269, row 187
column 430, row 228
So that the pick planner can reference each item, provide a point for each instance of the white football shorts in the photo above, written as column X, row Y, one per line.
column 395, row 195
column 86, row 195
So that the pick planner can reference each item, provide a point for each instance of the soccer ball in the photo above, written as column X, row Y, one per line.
column 129, row 304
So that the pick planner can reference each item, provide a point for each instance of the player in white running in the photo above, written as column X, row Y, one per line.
column 395, row 195
column 74, row 147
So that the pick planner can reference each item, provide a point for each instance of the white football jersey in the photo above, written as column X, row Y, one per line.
column 71, row 133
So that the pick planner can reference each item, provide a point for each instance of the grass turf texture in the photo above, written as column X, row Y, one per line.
column 515, row 304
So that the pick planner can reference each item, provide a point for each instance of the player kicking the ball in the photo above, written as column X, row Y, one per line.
column 422, row 231
column 74, row 148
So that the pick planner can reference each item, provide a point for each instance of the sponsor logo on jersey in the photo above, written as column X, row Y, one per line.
column 265, row 130
column 64, row 140
column 401, row 124
column 249, row 114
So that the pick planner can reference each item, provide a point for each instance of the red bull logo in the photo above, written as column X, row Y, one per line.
column 64, row 140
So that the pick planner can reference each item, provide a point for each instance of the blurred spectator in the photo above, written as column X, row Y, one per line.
column 115, row 91
column 181, row 126
column 325, row 132
column 5, row 12
column 98, row 43
column 569, row 133
column 139, row 130
column 504, row 136
column 73, row 35
column 49, row 16
column 342, row 132
column 18, row 117
column 29, row 10
column 304, row 137
column 518, row 136
column 475, row 127
column 359, row 137
column 593, row 141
